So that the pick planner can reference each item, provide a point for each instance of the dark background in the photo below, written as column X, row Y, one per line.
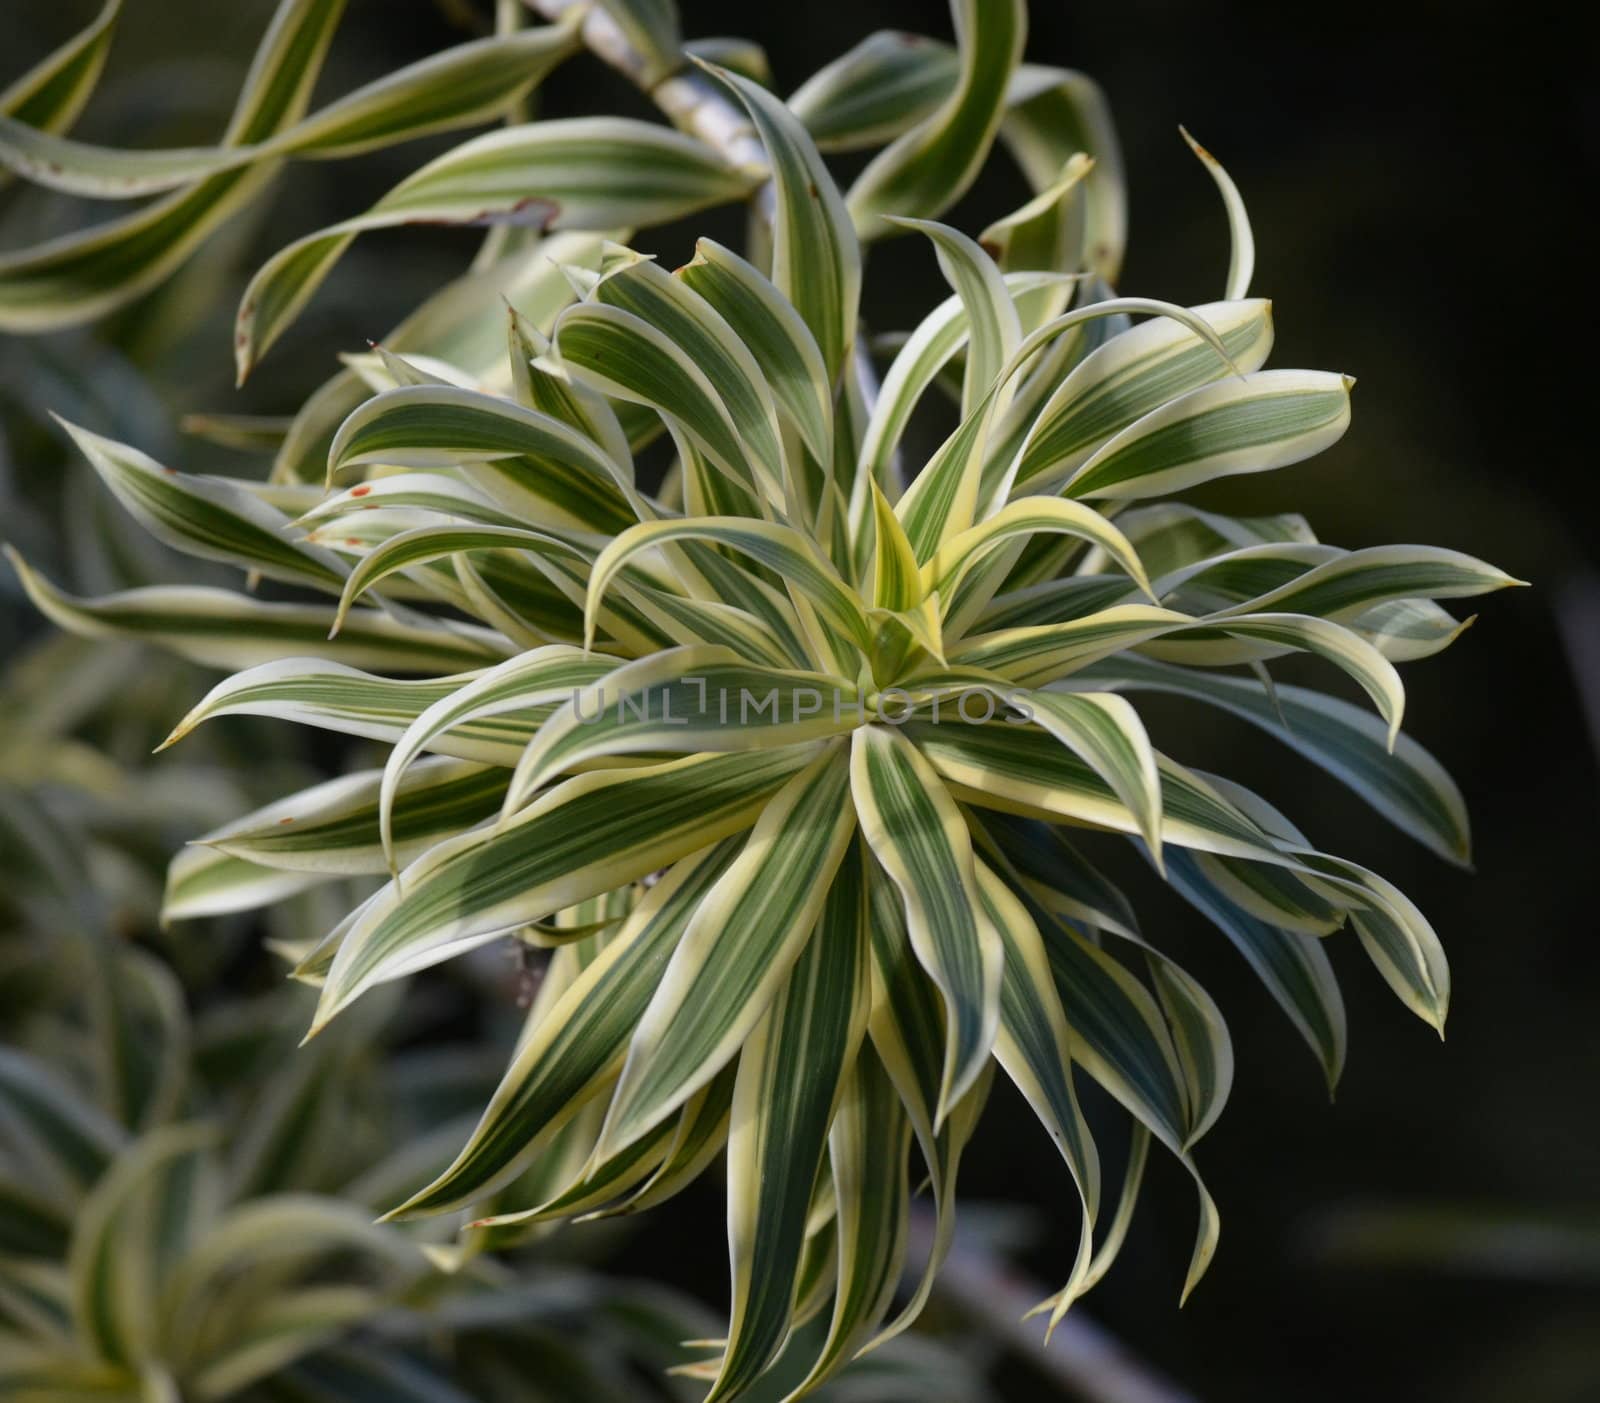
column 1413, row 173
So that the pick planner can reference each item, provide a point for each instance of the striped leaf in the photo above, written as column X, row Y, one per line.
column 1056, row 113
column 876, row 91
column 1032, row 1045
column 683, row 701
column 578, row 1046
column 204, row 882
column 1241, row 242
column 816, row 262
column 867, row 1150
column 1264, row 420
column 916, row 366
column 1407, row 786
column 917, row 834
column 332, row 828
column 907, row 1028
column 50, row 95
column 225, row 630
column 1053, row 874
column 114, row 1254
column 928, row 168
column 994, row 329
column 459, row 87
column 577, row 173
column 77, row 277
column 711, row 345
column 1354, row 582
column 791, row 1074
column 339, row 698
column 574, row 842
column 206, row 517
column 544, row 471
column 1025, row 770
column 1050, row 652
column 779, row 339
column 1293, row 967
column 945, row 498
column 1013, row 524
column 791, row 555
column 686, row 371
column 742, row 942
column 1107, row 734
column 1129, row 377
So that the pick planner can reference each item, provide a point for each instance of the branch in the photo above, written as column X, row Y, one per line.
column 688, row 98
column 1081, row 1356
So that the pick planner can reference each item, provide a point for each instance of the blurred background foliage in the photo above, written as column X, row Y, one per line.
column 1410, row 169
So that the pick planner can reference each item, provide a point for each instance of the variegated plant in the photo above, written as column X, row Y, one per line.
column 177, row 1222
column 778, row 758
